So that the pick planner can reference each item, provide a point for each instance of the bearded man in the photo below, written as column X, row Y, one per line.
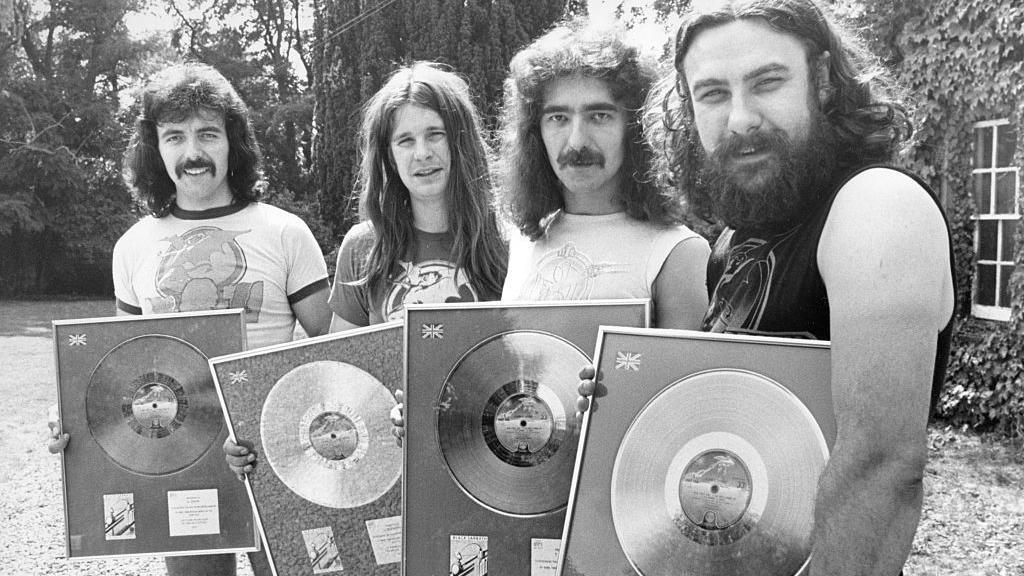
column 776, row 127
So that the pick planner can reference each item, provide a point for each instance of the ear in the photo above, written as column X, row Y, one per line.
column 821, row 68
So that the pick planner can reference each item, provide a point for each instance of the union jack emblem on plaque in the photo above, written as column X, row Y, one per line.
column 628, row 361
column 76, row 340
column 239, row 377
column 432, row 331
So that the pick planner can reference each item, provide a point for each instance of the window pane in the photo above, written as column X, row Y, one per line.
column 988, row 231
column 1009, row 226
column 985, row 285
column 982, row 185
column 1004, row 286
column 983, row 147
column 1005, row 144
column 1006, row 192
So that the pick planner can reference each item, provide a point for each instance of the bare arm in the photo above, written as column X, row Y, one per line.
column 680, row 289
column 313, row 313
column 339, row 324
column 885, row 263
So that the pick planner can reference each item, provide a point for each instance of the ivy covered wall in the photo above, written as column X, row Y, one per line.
column 962, row 62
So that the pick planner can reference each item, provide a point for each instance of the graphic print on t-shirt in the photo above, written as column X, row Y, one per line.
column 744, row 289
column 567, row 274
column 429, row 282
column 200, row 270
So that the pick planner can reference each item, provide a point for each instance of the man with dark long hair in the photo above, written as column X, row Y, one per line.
column 193, row 164
column 775, row 124
column 574, row 179
column 428, row 232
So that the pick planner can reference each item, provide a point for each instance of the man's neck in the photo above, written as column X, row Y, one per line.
column 587, row 203
column 197, row 204
column 430, row 216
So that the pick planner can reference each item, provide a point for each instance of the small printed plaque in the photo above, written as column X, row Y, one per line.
column 193, row 512
column 544, row 556
column 386, row 539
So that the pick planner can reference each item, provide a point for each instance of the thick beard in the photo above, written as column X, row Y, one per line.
column 778, row 193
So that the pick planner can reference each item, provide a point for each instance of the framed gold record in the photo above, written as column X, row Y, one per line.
column 491, row 432
column 326, row 487
column 701, row 458
column 144, row 473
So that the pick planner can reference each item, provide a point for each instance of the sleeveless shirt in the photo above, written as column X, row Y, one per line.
column 770, row 284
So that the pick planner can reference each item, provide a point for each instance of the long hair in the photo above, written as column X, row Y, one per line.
column 530, row 190
column 174, row 95
column 866, row 122
column 478, row 248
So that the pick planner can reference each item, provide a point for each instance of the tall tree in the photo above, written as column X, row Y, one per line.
column 358, row 44
column 63, row 67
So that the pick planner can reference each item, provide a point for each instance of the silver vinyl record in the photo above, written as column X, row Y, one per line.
column 327, row 434
column 716, row 476
column 506, row 421
column 151, row 405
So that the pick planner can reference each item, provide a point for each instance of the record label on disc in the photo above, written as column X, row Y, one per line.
column 715, row 490
column 158, row 406
column 336, row 433
column 518, row 426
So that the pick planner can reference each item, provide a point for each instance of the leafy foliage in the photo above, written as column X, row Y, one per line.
column 62, row 72
column 962, row 61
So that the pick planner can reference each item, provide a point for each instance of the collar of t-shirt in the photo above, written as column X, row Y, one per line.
column 183, row 214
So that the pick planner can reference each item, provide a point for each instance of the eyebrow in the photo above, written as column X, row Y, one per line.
column 589, row 107
column 207, row 128
column 428, row 128
column 766, row 69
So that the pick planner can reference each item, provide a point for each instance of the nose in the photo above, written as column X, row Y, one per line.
column 192, row 147
column 423, row 150
column 578, row 136
column 744, row 116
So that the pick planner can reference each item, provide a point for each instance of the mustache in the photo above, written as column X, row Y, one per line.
column 580, row 157
column 736, row 144
column 192, row 163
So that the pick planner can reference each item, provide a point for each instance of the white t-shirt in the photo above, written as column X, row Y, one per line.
column 255, row 256
column 580, row 257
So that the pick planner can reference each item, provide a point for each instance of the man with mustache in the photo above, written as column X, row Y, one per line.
column 778, row 128
column 208, row 243
column 574, row 179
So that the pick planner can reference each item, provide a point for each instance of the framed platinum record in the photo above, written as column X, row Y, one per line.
column 700, row 455
column 144, row 473
column 326, row 486
column 491, row 431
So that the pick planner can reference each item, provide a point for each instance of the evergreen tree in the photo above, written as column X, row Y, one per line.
column 360, row 42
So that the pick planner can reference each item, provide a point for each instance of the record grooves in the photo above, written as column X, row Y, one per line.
column 505, row 421
column 327, row 435
column 717, row 475
column 151, row 405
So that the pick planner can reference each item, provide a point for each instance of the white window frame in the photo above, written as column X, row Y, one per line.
column 1000, row 313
